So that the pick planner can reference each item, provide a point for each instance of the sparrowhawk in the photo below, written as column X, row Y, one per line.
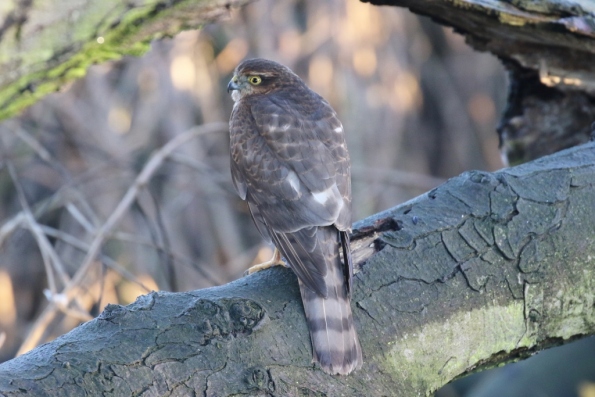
column 289, row 161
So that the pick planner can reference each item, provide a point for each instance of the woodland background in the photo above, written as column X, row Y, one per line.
column 418, row 105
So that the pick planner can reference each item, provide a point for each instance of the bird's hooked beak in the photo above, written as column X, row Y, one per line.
column 233, row 84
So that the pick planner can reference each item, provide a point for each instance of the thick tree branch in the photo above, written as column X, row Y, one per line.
column 484, row 269
column 552, row 37
column 44, row 45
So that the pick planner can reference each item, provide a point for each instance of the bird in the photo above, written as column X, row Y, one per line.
column 289, row 161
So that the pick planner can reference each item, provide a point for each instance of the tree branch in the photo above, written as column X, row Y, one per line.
column 485, row 269
column 548, row 48
column 45, row 45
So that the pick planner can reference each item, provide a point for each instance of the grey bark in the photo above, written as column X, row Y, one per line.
column 485, row 269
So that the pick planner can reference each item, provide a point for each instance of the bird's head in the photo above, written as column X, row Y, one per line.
column 259, row 76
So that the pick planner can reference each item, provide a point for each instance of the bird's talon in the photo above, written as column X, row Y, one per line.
column 274, row 261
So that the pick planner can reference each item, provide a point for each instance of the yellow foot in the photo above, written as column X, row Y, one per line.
column 275, row 261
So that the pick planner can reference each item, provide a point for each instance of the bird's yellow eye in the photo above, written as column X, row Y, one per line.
column 254, row 80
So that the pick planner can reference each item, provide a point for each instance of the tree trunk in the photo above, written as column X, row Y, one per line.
column 485, row 269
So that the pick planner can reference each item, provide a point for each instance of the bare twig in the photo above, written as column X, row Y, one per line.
column 56, row 200
column 168, row 255
column 219, row 179
column 155, row 161
column 396, row 177
column 42, row 152
column 79, row 217
column 62, row 304
column 19, row 219
column 123, row 236
column 84, row 247
column 10, row 226
column 51, row 260
column 48, row 254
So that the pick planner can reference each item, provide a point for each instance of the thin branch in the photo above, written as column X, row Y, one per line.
column 11, row 225
column 218, row 178
column 168, row 254
column 48, row 254
column 36, row 146
column 54, row 201
column 154, row 235
column 79, row 217
column 155, row 161
column 62, row 305
column 51, row 260
column 46, row 156
column 396, row 177
column 123, row 236
column 84, row 247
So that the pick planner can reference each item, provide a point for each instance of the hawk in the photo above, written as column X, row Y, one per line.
column 289, row 161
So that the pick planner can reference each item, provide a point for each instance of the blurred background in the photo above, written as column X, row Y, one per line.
column 418, row 106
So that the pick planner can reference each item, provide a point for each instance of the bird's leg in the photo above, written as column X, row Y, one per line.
column 274, row 261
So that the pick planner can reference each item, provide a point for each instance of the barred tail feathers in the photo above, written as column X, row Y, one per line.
column 335, row 343
column 313, row 254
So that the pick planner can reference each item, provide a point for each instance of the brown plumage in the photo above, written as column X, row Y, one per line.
column 290, row 162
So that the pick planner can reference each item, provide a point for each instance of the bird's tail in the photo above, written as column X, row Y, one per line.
column 335, row 343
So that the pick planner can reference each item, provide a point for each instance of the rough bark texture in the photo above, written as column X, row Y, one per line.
column 549, row 49
column 485, row 269
column 45, row 44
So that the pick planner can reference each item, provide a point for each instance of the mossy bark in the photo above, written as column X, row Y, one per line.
column 485, row 269
column 45, row 44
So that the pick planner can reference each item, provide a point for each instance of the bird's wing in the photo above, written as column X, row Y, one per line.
column 305, row 161
column 306, row 255
column 290, row 162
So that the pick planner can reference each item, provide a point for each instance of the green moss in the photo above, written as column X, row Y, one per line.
column 129, row 36
column 573, row 305
column 462, row 341
column 513, row 20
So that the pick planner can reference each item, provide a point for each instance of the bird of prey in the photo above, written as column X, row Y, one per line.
column 289, row 161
